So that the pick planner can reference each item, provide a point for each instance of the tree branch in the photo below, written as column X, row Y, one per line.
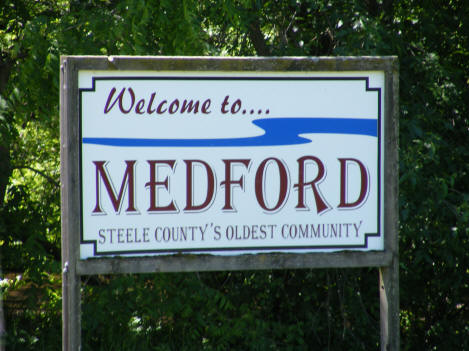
column 48, row 178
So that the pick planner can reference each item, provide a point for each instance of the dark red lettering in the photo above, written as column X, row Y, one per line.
column 321, row 205
column 259, row 184
column 119, row 99
column 228, row 182
column 140, row 107
column 224, row 104
column 190, row 186
column 127, row 182
column 206, row 106
column 153, row 183
column 190, row 106
column 343, row 183
column 174, row 106
column 159, row 109
column 150, row 104
column 236, row 106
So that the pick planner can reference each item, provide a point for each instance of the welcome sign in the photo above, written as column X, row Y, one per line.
column 184, row 164
column 230, row 162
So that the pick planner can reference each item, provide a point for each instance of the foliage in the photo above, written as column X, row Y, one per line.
column 290, row 310
column 303, row 309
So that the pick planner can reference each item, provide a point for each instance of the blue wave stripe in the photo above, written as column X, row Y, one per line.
column 278, row 131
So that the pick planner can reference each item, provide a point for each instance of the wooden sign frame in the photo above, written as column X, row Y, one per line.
column 73, row 267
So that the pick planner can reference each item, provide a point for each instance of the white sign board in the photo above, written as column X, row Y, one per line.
column 230, row 162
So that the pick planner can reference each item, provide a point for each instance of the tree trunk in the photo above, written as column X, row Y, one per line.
column 257, row 38
column 5, row 171
column 2, row 319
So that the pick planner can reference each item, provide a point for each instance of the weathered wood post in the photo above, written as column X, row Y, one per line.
column 70, row 202
column 389, row 275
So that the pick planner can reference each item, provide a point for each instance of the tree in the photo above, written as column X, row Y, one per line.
column 333, row 309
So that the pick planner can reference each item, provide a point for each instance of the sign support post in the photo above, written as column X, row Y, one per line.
column 286, row 163
column 389, row 274
column 70, row 202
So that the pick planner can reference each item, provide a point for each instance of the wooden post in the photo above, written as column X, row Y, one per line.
column 70, row 201
column 389, row 306
column 389, row 274
column 71, row 332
